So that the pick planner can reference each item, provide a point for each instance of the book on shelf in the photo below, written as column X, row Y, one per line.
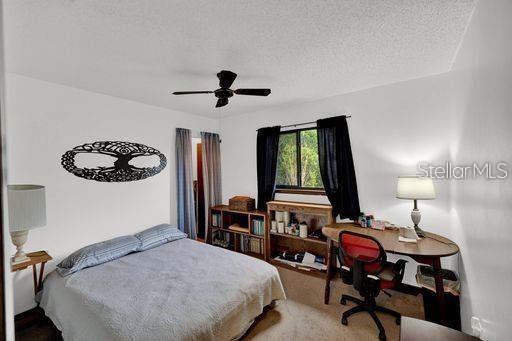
column 216, row 220
column 248, row 244
column 258, row 227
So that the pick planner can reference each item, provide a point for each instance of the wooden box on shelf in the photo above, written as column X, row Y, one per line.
column 244, row 232
column 315, row 216
column 241, row 203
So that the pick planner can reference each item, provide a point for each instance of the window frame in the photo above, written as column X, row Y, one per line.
column 299, row 189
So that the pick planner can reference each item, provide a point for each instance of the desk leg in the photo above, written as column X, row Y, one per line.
column 34, row 275
column 328, row 276
column 38, row 281
column 438, row 278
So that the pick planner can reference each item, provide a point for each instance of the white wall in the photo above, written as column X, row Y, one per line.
column 463, row 116
column 481, row 84
column 392, row 129
column 44, row 120
column 8, row 287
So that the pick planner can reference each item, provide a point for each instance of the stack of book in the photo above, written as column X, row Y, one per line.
column 248, row 244
column 216, row 220
column 258, row 227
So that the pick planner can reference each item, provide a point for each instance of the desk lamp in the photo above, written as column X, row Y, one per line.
column 414, row 187
column 27, row 210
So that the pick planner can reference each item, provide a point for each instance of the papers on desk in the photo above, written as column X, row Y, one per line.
column 407, row 235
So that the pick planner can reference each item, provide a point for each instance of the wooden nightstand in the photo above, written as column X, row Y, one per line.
column 38, row 257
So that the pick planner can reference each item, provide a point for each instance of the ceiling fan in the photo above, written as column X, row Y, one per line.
column 226, row 79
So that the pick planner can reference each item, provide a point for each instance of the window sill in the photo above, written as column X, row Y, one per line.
column 302, row 191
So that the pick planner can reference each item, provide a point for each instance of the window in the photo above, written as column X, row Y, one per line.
column 297, row 162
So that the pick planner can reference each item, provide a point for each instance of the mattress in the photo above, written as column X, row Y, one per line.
column 182, row 290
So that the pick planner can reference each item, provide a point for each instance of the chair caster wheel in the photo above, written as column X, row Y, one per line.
column 398, row 320
column 344, row 321
column 343, row 301
column 382, row 336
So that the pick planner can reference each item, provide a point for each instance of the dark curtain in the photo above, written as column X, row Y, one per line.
column 267, row 145
column 337, row 166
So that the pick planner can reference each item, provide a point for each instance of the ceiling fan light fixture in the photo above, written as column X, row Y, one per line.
column 226, row 79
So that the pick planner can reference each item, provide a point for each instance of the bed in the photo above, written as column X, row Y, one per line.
column 182, row 290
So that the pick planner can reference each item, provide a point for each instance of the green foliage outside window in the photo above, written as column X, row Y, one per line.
column 287, row 161
column 310, row 172
column 288, row 172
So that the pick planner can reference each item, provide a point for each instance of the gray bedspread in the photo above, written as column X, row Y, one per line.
column 183, row 290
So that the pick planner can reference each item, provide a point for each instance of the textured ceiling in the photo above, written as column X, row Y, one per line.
column 303, row 50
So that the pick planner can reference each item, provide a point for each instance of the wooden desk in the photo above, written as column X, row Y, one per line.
column 418, row 330
column 39, row 257
column 428, row 250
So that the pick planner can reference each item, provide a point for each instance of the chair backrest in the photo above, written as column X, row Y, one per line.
column 356, row 247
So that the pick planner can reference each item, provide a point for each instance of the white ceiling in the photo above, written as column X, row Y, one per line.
column 303, row 50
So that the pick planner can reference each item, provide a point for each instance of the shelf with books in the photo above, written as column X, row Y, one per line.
column 257, row 226
column 216, row 219
column 247, row 231
column 252, row 246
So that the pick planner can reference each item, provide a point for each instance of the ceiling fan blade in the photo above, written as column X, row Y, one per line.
column 191, row 92
column 226, row 78
column 253, row 92
column 221, row 102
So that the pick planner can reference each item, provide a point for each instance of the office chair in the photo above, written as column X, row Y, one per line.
column 364, row 265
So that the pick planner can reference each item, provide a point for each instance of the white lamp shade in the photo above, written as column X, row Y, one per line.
column 27, row 207
column 415, row 188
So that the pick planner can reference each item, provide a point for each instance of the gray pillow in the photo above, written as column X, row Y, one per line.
column 158, row 235
column 98, row 253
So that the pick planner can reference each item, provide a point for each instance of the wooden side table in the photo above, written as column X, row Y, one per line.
column 38, row 257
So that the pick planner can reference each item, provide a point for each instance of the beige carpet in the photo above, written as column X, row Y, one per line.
column 304, row 316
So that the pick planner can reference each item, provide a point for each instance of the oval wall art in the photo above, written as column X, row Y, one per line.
column 121, row 170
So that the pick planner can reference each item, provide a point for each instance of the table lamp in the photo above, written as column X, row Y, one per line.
column 27, row 210
column 413, row 187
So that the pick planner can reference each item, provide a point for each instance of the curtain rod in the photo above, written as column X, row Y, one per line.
column 305, row 123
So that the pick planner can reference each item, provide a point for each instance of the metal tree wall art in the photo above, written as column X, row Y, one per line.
column 121, row 170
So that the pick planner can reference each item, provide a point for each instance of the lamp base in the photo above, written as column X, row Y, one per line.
column 19, row 238
column 419, row 231
column 20, row 259
column 416, row 217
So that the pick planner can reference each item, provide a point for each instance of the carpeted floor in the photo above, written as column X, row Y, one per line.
column 304, row 316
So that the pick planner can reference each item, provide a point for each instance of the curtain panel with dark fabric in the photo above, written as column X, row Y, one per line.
column 337, row 166
column 211, row 172
column 185, row 183
column 267, row 145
